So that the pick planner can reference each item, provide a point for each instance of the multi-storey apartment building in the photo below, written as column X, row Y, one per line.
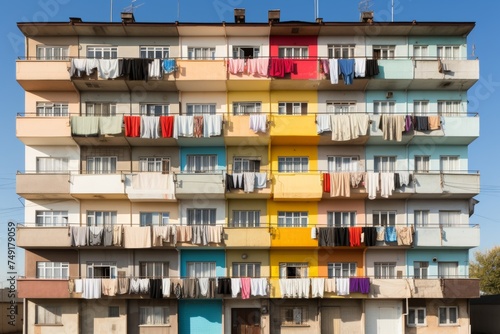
column 277, row 177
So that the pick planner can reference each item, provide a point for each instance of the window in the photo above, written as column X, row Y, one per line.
column 101, row 165
column 384, row 51
column 448, row 51
column 102, row 52
column 450, row 108
column 100, row 109
column 101, row 270
column 293, row 270
column 201, row 53
column 341, row 219
column 244, row 269
column 385, row 164
column 384, row 218
column 244, row 52
column 154, row 269
column 201, row 163
column 341, row 269
column 448, row 269
column 154, row 164
column 101, row 218
column 246, row 108
column 384, row 107
column 422, row 163
column 51, row 109
column 51, row 165
column 421, row 108
column 293, row 164
column 48, row 315
column 448, row 315
column 242, row 164
column 292, row 108
column 201, row 269
column 151, row 109
column 292, row 219
column 449, row 163
column 420, row 51
column 153, row 52
column 52, row 52
column 420, row 269
column 51, row 218
column 154, row 218
column 342, row 164
column 416, row 316
column 246, row 218
column 154, row 315
column 449, row 218
column 339, row 108
column 293, row 316
column 293, row 52
column 421, row 218
column 341, row 51
column 385, row 269
column 201, row 216
column 113, row 311
column 200, row 109
column 59, row 270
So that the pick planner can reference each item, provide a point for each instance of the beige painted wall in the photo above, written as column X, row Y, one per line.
column 432, row 318
column 341, row 96
column 260, row 205
column 351, row 314
column 347, row 151
column 133, row 317
column 31, row 207
column 129, row 47
column 219, row 98
column 122, row 154
column 33, row 42
column 248, row 151
column 122, row 208
column 171, row 208
column 71, row 98
column 69, row 317
column 94, row 314
column 383, row 255
column 253, row 256
column 156, row 151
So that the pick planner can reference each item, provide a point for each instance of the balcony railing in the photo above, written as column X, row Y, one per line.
column 460, row 236
column 43, row 185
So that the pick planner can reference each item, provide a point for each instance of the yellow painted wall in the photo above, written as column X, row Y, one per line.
column 311, row 97
column 310, row 207
column 258, row 96
column 288, row 255
column 295, row 151
column 248, row 204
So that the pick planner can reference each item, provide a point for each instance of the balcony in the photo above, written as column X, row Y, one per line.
column 447, row 236
column 251, row 237
column 237, row 130
column 43, row 186
column 46, row 75
column 34, row 130
column 43, row 237
column 296, row 237
column 98, row 186
column 199, row 185
column 201, row 75
column 289, row 130
column 42, row 288
column 150, row 187
column 444, row 185
column 461, row 288
column 297, row 187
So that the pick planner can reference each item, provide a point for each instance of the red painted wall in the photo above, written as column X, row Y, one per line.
column 305, row 68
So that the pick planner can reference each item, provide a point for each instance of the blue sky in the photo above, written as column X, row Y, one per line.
column 484, row 97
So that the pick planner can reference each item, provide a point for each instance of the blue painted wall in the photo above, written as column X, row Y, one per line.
column 217, row 256
column 219, row 151
column 200, row 316
column 455, row 255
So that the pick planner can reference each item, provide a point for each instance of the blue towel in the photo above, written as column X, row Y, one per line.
column 169, row 65
column 346, row 67
column 390, row 234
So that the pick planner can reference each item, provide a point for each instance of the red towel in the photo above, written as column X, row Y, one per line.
column 132, row 126
column 167, row 126
column 326, row 182
column 245, row 287
column 355, row 236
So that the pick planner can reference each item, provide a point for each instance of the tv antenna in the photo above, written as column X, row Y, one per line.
column 132, row 7
column 365, row 5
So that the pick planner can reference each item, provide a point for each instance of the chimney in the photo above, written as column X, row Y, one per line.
column 367, row 17
column 127, row 17
column 239, row 15
column 75, row 20
column 273, row 15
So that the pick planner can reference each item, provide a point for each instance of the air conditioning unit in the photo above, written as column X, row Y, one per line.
column 389, row 95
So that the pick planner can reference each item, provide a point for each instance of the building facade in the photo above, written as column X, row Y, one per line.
column 277, row 177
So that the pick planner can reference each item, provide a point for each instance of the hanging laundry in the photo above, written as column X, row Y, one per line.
column 258, row 67
column 359, row 67
column 258, row 286
column 392, row 126
column 434, row 122
column 198, row 126
column 323, row 123
column 110, row 125
column 372, row 184
column 108, row 68
column 404, row 235
column 185, row 126
column 236, row 66
column 167, row 126
column 355, row 236
column 386, row 184
column 334, row 71
column 155, row 69
column 390, row 234
column 85, row 126
column 169, row 65
column 258, row 123
column 342, row 285
column 421, row 123
column 346, row 68
column 212, row 125
column 340, row 184
column 326, row 182
column 370, row 234
column 371, row 68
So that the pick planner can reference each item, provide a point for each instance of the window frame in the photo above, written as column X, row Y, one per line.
column 153, row 311
column 341, row 107
column 297, row 219
column 384, row 107
column 49, row 267
column 61, row 50
column 238, row 49
column 416, row 322
column 384, row 51
column 333, row 216
column 342, row 163
column 191, row 268
column 45, row 312
column 201, row 53
column 101, row 165
column 390, row 220
column 448, row 317
column 420, row 160
column 154, row 165
column 57, row 218
column 421, row 107
column 145, row 268
column 154, row 218
column 237, row 266
column 113, row 311
column 288, row 164
column 106, row 52
column 293, row 52
column 110, row 265
column 450, row 218
column 301, row 269
column 102, row 109
column 421, row 269
column 247, row 108
column 294, row 313
column 449, row 163
column 451, row 52
column 246, row 222
column 52, row 109
column 195, row 163
column 95, row 217
column 421, row 218
column 292, row 108
column 59, row 165
column 200, row 109
column 199, row 216
column 450, row 108
column 150, row 109
column 385, row 163
column 448, row 269
column 145, row 50
column 345, row 269
column 385, row 270
column 246, row 164
column 341, row 51
column 423, row 51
